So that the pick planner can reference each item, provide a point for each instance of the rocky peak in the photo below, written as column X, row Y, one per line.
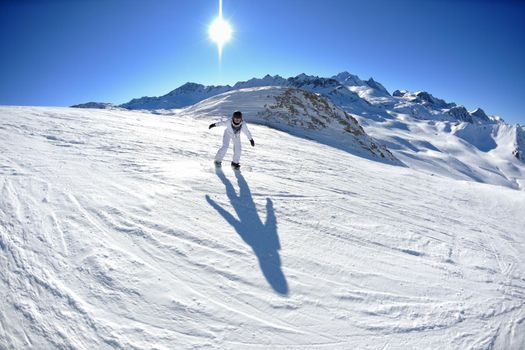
column 267, row 80
column 460, row 113
column 189, row 87
column 377, row 86
column 400, row 93
column 348, row 79
column 428, row 99
column 97, row 105
column 314, row 81
column 311, row 111
column 480, row 114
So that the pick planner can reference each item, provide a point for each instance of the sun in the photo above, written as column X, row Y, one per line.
column 220, row 31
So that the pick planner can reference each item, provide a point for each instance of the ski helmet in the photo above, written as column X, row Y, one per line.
column 237, row 115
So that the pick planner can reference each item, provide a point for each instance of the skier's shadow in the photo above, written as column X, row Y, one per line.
column 262, row 238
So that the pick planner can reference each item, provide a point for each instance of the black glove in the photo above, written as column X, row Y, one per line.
column 252, row 142
column 211, row 126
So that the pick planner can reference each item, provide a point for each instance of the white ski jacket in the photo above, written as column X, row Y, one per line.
column 231, row 132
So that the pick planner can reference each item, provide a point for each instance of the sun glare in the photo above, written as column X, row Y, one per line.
column 220, row 31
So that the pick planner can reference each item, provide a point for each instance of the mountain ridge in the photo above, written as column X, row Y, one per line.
column 191, row 93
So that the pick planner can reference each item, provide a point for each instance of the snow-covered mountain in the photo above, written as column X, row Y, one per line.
column 488, row 153
column 345, row 90
column 267, row 80
column 98, row 105
column 437, row 109
column 183, row 96
column 298, row 112
column 192, row 93
column 519, row 143
column 351, row 80
column 116, row 232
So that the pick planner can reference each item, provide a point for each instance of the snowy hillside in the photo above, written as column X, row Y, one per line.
column 116, row 232
column 298, row 112
column 465, row 151
column 468, row 145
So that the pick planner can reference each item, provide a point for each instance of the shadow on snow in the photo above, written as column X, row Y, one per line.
column 262, row 238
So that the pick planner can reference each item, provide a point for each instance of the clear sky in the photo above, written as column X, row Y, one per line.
column 63, row 52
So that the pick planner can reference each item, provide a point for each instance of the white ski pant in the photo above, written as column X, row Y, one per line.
column 226, row 143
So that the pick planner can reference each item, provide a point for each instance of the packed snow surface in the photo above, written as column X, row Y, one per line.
column 116, row 232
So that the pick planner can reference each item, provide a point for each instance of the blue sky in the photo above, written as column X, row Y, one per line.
column 62, row 52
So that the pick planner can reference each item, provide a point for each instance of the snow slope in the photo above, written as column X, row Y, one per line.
column 117, row 233
column 482, row 152
column 295, row 111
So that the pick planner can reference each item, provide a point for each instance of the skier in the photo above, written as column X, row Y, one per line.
column 234, row 126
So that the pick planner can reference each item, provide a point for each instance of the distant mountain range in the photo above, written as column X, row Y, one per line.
column 344, row 89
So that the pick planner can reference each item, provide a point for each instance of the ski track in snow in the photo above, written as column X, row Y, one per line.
column 112, row 236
